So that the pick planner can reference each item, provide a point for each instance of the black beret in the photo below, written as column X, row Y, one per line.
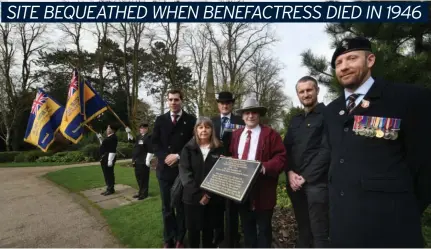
column 144, row 125
column 350, row 44
column 114, row 126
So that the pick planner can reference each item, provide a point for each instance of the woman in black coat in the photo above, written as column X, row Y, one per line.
column 202, row 209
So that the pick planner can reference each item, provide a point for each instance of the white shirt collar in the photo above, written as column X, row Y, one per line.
column 228, row 116
column 363, row 89
column 179, row 113
column 254, row 130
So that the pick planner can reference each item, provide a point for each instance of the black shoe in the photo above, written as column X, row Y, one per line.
column 110, row 192
column 142, row 197
column 136, row 196
column 103, row 193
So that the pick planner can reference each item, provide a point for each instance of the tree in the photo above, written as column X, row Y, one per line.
column 265, row 84
column 235, row 44
column 198, row 46
column 288, row 115
column 403, row 52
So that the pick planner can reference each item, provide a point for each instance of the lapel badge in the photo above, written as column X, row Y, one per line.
column 184, row 122
column 342, row 112
column 365, row 103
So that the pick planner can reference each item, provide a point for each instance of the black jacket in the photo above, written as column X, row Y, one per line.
column 141, row 147
column 306, row 154
column 169, row 139
column 109, row 145
column 227, row 134
column 377, row 186
column 193, row 170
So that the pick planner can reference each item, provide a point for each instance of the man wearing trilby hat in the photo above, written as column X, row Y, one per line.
column 224, row 124
column 380, row 171
column 261, row 143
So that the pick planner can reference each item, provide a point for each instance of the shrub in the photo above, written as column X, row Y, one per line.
column 8, row 156
column 125, row 150
column 283, row 200
column 30, row 156
column 66, row 157
column 92, row 151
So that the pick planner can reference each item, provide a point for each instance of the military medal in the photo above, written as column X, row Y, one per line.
column 394, row 132
column 365, row 103
column 363, row 131
column 388, row 126
column 379, row 132
column 374, row 121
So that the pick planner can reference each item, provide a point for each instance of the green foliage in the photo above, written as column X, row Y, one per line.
column 31, row 156
column 403, row 52
column 8, row 156
column 65, row 157
column 283, row 200
column 125, row 150
column 91, row 151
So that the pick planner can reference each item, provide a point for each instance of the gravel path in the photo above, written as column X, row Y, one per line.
column 36, row 213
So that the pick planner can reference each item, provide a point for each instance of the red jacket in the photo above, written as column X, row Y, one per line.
column 271, row 152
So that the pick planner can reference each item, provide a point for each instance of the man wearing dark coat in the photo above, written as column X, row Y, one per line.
column 172, row 131
column 224, row 124
column 379, row 175
column 141, row 159
column 108, row 154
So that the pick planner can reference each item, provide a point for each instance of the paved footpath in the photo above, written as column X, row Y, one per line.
column 36, row 213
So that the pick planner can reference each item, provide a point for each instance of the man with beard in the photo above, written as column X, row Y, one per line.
column 379, row 175
column 307, row 168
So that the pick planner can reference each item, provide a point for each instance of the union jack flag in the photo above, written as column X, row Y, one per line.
column 73, row 87
column 38, row 102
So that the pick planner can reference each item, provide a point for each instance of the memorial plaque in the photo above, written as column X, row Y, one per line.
column 231, row 178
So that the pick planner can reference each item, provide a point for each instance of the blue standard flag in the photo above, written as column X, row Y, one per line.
column 262, row 12
column 91, row 102
column 72, row 118
column 44, row 121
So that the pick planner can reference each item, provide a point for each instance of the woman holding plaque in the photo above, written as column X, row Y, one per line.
column 202, row 209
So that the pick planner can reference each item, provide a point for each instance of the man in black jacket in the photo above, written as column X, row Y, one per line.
column 108, row 152
column 379, row 175
column 141, row 159
column 224, row 124
column 172, row 131
column 307, row 168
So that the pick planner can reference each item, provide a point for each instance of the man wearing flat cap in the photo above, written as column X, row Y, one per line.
column 379, row 175
column 141, row 159
column 224, row 124
column 260, row 143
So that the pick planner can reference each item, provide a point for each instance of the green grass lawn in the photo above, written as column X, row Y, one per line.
column 140, row 224
column 135, row 225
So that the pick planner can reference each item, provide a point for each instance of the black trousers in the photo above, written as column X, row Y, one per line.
column 232, row 224
column 194, row 237
column 174, row 228
column 142, row 173
column 108, row 174
column 310, row 205
column 256, row 226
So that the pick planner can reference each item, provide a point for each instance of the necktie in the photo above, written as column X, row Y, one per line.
column 223, row 123
column 175, row 119
column 351, row 104
column 246, row 146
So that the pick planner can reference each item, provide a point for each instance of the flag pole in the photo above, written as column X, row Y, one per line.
column 91, row 129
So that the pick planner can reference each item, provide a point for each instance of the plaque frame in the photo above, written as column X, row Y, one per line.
column 248, row 186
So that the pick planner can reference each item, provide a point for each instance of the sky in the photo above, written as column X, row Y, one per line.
column 293, row 39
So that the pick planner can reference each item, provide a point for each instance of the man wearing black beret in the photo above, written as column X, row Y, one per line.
column 379, row 176
column 141, row 159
